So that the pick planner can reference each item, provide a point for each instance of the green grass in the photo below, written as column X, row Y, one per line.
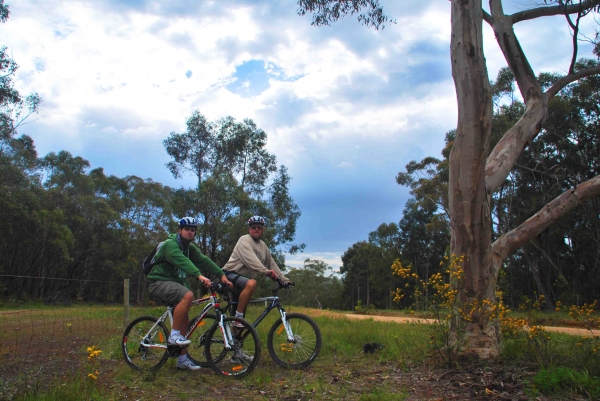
column 73, row 390
column 341, row 371
column 559, row 381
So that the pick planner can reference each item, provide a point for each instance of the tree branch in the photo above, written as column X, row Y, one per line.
column 513, row 53
column 488, row 18
column 575, row 28
column 553, row 10
column 561, row 205
column 506, row 152
column 564, row 81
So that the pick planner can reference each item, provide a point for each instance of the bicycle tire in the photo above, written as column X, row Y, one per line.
column 227, row 362
column 303, row 350
column 136, row 355
column 197, row 349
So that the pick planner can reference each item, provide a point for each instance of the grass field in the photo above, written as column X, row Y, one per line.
column 44, row 357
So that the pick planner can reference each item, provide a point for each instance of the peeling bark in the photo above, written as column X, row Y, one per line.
column 470, row 221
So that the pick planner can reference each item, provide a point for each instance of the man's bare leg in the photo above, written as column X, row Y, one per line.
column 180, row 313
column 246, row 296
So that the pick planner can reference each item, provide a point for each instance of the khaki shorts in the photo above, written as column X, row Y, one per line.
column 167, row 292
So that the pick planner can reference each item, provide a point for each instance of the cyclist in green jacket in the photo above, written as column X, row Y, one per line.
column 175, row 259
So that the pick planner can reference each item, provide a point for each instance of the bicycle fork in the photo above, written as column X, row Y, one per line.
column 226, row 331
column 287, row 327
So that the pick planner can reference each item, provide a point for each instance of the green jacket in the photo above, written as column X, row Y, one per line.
column 177, row 261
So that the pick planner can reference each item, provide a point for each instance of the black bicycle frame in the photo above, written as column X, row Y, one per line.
column 275, row 303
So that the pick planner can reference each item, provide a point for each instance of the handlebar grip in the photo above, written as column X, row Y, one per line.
column 219, row 287
column 286, row 284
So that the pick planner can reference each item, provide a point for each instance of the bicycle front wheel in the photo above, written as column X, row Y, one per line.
column 197, row 350
column 302, row 350
column 139, row 341
column 242, row 356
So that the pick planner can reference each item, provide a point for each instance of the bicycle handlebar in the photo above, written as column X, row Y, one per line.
column 285, row 284
column 219, row 287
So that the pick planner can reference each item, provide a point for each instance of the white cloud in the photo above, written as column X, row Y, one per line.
column 333, row 259
column 345, row 165
column 343, row 96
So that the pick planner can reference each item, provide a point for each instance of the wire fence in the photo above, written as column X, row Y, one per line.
column 35, row 333
column 46, row 339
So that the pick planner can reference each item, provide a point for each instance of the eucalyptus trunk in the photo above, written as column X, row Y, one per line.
column 470, row 222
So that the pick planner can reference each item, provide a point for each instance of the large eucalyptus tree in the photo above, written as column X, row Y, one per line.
column 475, row 172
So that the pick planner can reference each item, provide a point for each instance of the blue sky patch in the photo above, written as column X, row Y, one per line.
column 252, row 77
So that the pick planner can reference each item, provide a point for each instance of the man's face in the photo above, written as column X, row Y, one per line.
column 256, row 231
column 187, row 233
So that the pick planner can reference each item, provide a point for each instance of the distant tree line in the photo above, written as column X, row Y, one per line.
column 562, row 263
column 72, row 232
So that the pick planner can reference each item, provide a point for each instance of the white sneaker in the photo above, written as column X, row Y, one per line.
column 178, row 339
column 238, row 325
column 239, row 356
column 187, row 365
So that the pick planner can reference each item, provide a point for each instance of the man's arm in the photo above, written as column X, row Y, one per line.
column 273, row 266
column 176, row 258
column 204, row 263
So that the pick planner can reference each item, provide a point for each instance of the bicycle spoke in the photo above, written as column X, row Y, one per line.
column 197, row 349
column 138, row 341
column 244, row 352
column 302, row 349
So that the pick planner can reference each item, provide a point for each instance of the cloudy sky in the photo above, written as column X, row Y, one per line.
column 345, row 107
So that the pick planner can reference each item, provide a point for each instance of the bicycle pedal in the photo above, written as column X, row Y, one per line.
column 174, row 350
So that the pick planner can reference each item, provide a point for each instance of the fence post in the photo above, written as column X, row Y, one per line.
column 125, row 302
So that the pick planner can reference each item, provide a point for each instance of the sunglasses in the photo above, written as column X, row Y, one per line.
column 256, row 227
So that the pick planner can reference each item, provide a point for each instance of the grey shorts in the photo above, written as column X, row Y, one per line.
column 167, row 292
column 239, row 282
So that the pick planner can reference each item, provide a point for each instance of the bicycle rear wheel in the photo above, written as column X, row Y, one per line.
column 197, row 350
column 302, row 350
column 136, row 339
column 242, row 357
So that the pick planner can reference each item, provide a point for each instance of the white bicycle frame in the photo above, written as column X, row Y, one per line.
column 214, row 303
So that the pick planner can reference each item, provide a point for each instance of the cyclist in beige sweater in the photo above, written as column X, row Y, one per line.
column 249, row 258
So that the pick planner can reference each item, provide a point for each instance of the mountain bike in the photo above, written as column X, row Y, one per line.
column 294, row 340
column 231, row 344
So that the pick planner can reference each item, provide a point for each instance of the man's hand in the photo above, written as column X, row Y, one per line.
column 271, row 274
column 226, row 282
column 204, row 280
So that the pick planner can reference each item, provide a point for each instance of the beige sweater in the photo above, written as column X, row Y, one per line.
column 251, row 258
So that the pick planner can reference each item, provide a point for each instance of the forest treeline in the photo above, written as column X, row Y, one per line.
column 562, row 263
column 68, row 231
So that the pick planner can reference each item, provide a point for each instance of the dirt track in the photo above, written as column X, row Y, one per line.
column 567, row 330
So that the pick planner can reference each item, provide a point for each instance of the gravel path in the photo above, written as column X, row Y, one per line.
column 401, row 319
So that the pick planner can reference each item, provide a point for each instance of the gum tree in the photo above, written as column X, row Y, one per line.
column 475, row 171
